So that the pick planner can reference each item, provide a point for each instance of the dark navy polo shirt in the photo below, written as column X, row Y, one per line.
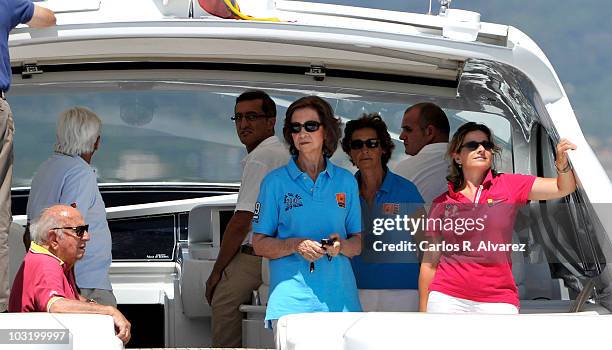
column 387, row 270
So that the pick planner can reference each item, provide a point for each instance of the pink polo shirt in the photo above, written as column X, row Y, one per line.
column 42, row 279
column 476, row 263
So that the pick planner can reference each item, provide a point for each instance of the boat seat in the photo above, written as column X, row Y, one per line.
column 254, row 334
column 16, row 250
column 197, row 262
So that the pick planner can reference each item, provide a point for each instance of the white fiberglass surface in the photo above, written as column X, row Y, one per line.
column 163, row 130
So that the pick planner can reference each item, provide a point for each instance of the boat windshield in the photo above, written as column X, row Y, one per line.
column 180, row 131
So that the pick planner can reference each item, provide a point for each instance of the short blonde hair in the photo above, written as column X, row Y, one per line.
column 78, row 129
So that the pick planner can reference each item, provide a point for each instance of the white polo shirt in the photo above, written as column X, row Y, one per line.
column 267, row 156
column 427, row 170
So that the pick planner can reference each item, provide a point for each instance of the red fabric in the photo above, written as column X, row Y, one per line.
column 471, row 273
column 40, row 278
column 216, row 8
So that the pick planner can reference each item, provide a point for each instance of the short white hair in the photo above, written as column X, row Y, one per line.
column 45, row 222
column 78, row 129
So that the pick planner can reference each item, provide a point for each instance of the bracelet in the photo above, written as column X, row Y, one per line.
column 564, row 170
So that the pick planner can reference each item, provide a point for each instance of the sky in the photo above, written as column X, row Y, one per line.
column 576, row 41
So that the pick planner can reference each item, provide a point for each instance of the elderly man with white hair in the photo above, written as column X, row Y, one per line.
column 45, row 280
column 68, row 178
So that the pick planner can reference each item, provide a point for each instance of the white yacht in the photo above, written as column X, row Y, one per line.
column 163, row 75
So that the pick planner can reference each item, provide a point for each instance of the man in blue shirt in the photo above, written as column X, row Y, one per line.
column 68, row 178
column 12, row 13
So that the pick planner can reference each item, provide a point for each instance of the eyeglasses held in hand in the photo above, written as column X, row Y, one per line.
column 473, row 145
column 310, row 126
column 79, row 231
column 369, row 143
column 251, row 117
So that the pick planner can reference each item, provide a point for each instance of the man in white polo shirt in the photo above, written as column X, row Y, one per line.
column 425, row 131
column 237, row 271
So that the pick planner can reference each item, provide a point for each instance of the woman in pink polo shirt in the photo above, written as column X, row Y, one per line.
column 467, row 267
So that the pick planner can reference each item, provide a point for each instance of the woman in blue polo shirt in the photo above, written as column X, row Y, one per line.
column 387, row 280
column 300, row 204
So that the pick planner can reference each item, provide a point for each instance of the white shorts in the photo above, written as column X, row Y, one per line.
column 445, row 304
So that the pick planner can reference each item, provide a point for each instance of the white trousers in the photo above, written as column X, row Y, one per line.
column 278, row 342
column 445, row 304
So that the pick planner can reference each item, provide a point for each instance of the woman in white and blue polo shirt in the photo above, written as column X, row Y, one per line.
column 300, row 204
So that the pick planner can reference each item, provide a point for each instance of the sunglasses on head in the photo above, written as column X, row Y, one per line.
column 369, row 143
column 79, row 231
column 473, row 145
column 310, row 126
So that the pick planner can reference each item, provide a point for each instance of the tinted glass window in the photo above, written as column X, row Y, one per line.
column 143, row 238
column 157, row 131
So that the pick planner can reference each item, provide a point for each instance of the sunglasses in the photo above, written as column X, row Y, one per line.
column 310, row 126
column 251, row 117
column 473, row 145
column 79, row 231
column 369, row 143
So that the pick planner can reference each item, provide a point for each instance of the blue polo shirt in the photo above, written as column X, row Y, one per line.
column 291, row 205
column 70, row 179
column 388, row 270
column 12, row 13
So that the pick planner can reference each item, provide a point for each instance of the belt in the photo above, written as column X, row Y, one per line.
column 2, row 95
column 247, row 249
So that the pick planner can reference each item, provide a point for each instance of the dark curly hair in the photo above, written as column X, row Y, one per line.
column 330, row 124
column 372, row 121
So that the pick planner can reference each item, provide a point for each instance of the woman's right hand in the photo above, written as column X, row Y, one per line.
column 310, row 250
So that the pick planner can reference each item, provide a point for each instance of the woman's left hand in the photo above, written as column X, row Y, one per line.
column 562, row 147
column 334, row 249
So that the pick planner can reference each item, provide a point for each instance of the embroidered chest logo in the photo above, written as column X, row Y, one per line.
column 292, row 200
column 341, row 200
column 491, row 202
column 391, row 208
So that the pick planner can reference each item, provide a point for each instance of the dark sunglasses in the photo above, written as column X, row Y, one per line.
column 473, row 145
column 310, row 126
column 251, row 117
column 369, row 143
column 79, row 231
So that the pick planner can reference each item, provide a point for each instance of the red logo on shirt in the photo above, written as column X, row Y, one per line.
column 391, row 208
column 341, row 200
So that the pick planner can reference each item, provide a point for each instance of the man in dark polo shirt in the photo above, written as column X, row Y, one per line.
column 12, row 13
column 45, row 280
